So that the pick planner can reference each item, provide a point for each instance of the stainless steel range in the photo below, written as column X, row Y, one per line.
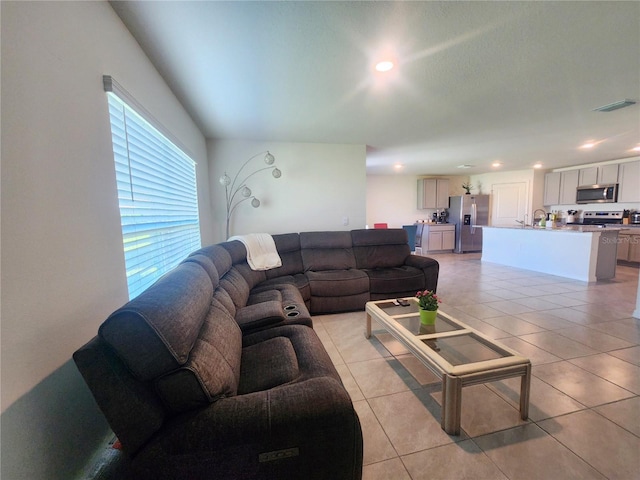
column 602, row 218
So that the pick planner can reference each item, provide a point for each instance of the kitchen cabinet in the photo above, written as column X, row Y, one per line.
column 552, row 188
column 433, row 193
column 629, row 246
column 629, row 182
column 598, row 175
column 568, row 186
column 438, row 238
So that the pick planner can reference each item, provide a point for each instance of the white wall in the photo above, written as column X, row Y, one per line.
column 62, row 260
column 393, row 199
column 321, row 185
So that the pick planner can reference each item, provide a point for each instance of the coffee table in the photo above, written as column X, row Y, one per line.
column 454, row 351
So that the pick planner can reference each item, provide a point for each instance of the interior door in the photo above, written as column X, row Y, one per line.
column 509, row 203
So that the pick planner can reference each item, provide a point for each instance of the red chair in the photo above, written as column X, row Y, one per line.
column 380, row 225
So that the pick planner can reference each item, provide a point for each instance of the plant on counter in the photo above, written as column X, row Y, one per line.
column 427, row 300
column 467, row 186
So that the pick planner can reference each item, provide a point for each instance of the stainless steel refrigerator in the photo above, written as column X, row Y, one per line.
column 468, row 213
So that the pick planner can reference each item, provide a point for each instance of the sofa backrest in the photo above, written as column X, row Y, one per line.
column 154, row 333
column 180, row 338
column 380, row 248
column 327, row 251
column 288, row 246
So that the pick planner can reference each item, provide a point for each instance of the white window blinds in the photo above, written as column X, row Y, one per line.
column 157, row 195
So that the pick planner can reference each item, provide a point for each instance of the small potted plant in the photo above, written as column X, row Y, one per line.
column 467, row 186
column 428, row 305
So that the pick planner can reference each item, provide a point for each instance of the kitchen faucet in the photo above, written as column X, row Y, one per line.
column 544, row 215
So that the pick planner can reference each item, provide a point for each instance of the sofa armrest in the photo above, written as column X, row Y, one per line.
column 260, row 314
column 429, row 266
column 286, row 432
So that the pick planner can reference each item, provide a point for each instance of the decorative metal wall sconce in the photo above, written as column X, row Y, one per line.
column 232, row 188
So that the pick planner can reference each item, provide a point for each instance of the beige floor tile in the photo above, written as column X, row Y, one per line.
column 535, row 304
column 484, row 411
column 349, row 383
column 544, row 400
column 536, row 355
column 480, row 311
column 593, row 338
column 612, row 450
column 513, row 325
column 509, row 307
column 625, row 413
column 382, row 376
column 416, row 368
column 575, row 316
column 631, row 355
column 460, row 461
column 627, row 329
column 392, row 345
column 561, row 346
column 387, row 470
column 529, row 453
column 411, row 420
column 354, row 347
column 612, row 369
column 376, row 445
column 545, row 319
column 585, row 387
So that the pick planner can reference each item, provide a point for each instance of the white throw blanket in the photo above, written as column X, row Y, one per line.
column 261, row 251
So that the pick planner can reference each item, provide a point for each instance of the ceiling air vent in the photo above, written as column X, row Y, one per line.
column 615, row 106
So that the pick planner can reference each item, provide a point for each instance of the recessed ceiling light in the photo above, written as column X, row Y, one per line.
column 537, row 165
column 588, row 145
column 398, row 166
column 384, row 66
column 496, row 164
column 636, row 149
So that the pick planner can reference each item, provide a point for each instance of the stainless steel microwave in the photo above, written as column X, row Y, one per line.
column 597, row 193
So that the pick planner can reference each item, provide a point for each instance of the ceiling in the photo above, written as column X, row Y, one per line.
column 474, row 82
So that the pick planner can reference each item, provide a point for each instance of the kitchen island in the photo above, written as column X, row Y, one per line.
column 579, row 252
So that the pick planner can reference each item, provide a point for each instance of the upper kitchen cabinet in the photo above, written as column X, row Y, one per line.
column 568, row 186
column 560, row 187
column 433, row 193
column 600, row 175
column 552, row 188
column 629, row 182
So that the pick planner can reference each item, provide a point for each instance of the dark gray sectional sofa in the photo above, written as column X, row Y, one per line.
column 215, row 371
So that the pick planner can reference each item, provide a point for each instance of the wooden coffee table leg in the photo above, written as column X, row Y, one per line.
column 367, row 331
column 451, row 404
column 525, row 388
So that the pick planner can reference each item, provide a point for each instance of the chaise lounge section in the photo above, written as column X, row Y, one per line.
column 215, row 371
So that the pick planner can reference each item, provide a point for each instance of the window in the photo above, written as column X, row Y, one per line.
column 157, row 195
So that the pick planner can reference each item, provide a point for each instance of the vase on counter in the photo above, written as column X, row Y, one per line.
column 428, row 317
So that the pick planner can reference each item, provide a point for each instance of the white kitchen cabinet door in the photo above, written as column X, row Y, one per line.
column 608, row 174
column 629, row 182
column 588, row 176
column 568, row 187
column 552, row 188
column 448, row 239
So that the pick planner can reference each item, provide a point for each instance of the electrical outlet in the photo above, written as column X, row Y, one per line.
column 345, row 220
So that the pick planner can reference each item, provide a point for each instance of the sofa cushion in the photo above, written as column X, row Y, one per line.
column 337, row 283
column 382, row 248
column 327, row 251
column 213, row 368
column 260, row 314
column 154, row 333
column 206, row 263
column 288, row 246
column 236, row 286
column 267, row 364
column 219, row 256
column 388, row 280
